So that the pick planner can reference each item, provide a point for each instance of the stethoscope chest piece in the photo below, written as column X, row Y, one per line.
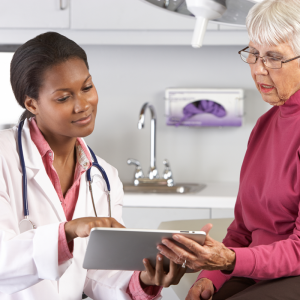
column 26, row 225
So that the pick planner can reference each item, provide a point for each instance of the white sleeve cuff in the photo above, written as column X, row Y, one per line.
column 45, row 252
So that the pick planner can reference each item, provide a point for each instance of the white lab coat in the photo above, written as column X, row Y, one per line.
column 29, row 267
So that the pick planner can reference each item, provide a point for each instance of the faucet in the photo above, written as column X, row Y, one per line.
column 153, row 177
column 153, row 173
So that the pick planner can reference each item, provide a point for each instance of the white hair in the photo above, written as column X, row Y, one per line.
column 272, row 22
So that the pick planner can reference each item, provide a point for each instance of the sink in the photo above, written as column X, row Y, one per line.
column 180, row 188
column 153, row 183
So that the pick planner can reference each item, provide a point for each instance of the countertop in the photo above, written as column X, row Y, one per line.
column 214, row 195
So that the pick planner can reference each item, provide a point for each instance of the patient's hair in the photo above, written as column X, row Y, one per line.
column 272, row 22
column 33, row 58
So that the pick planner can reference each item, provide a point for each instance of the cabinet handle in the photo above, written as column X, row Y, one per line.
column 61, row 4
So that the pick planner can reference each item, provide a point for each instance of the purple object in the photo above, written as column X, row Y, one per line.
column 201, row 107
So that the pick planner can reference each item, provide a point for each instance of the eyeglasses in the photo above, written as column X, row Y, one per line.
column 269, row 61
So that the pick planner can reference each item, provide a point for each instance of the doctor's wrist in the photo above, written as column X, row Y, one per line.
column 70, row 233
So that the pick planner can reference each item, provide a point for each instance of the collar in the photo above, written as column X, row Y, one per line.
column 38, row 138
column 82, row 153
column 34, row 151
column 291, row 107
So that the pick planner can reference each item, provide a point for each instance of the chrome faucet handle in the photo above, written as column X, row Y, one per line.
column 132, row 161
column 168, row 175
column 153, row 173
column 138, row 170
column 166, row 163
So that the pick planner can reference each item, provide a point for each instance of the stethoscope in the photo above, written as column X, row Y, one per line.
column 26, row 224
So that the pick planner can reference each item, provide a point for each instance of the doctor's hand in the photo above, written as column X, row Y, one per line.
column 213, row 255
column 82, row 227
column 158, row 276
column 203, row 289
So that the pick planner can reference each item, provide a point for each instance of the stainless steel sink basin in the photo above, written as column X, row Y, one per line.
column 180, row 188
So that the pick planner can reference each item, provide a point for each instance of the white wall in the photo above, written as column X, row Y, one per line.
column 10, row 109
column 128, row 76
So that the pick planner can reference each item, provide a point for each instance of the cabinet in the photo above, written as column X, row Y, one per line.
column 106, row 22
column 25, row 14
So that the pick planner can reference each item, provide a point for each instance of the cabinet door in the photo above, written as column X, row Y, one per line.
column 34, row 14
column 125, row 15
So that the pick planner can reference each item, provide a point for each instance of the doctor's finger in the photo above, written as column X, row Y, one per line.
column 159, row 270
column 175, row 273
column 148, row 268
column 116, row 224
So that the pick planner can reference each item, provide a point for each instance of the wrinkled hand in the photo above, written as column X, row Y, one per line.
column 203, row 289
column 82, row 227
column 213, row 255
column 158, row 276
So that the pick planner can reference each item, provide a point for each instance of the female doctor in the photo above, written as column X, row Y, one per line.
column 50, row 79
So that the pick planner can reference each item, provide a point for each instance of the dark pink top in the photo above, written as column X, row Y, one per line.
column 68, row 202
column 265, row 234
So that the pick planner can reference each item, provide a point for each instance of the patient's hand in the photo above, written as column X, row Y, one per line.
column 204, row 288
column 213, row 255
column 158, row 276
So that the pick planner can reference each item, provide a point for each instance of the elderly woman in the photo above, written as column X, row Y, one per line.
column 260, row 255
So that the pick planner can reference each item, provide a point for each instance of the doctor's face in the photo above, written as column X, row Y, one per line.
column 67, row 103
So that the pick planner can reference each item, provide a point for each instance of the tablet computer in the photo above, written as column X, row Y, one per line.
column 125, row 249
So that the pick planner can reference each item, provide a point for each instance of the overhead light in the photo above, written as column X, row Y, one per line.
column 226, row 12
column 204, row 10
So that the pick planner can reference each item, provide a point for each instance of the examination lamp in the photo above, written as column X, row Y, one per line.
column 226, row 12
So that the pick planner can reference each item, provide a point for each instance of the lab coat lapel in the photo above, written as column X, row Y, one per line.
column 42, row 179
column 37, row 173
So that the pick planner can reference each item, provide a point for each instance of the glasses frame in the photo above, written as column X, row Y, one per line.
column 262, row 57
